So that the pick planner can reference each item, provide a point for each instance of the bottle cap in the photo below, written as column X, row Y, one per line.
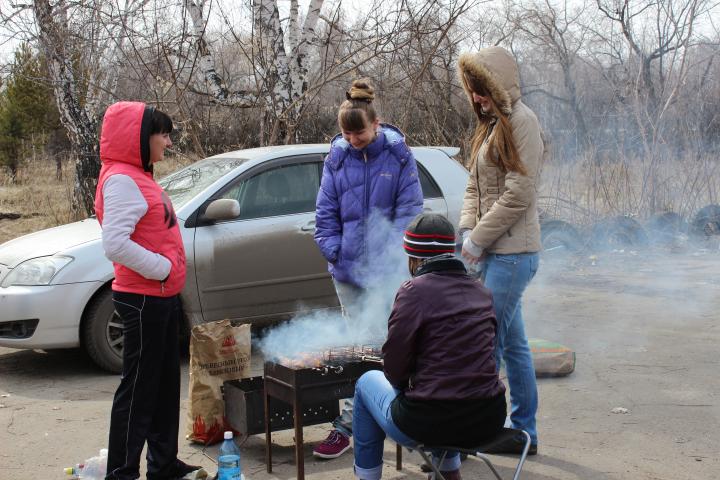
column 228, row 435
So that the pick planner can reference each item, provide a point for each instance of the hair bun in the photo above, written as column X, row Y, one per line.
column 361, row 90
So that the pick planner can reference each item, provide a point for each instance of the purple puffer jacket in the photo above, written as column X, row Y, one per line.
column 359, row 189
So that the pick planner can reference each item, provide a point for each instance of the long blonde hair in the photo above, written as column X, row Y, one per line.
column 501, row 144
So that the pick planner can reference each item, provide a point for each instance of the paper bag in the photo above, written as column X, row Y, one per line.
column 218, row 352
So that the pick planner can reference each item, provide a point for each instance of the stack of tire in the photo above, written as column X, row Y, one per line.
column 624, row 232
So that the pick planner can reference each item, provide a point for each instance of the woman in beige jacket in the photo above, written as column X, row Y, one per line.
column 499, row 220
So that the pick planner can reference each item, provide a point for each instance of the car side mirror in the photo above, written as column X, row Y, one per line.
column 222, row 209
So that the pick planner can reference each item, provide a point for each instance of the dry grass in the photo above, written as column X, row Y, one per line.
column 589, row 189
column 42, row 200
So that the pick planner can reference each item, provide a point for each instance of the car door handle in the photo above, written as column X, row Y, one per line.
column 308, row 227
column 427, row 209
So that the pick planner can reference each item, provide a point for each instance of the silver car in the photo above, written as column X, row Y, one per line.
column 247, row 221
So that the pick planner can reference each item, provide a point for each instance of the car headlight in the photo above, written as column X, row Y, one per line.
column 36, row 271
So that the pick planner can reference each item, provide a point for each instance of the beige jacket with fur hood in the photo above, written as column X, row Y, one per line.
column 501, row 208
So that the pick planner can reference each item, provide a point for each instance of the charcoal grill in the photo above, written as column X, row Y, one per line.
column 245, row 411
column 315, row 379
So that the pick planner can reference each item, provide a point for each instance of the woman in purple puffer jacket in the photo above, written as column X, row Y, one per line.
column 368, row 195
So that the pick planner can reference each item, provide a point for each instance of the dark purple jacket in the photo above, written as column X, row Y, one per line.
column 381, row 179
column 441, row 336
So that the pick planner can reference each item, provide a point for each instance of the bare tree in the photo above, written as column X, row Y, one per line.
column 280, row 61
column 560, row 34
column 653, row 30
column 283, row 63
column 633, row 83
column 55, row 40
column 206, row 70
column 81, row 42
column 294, row 60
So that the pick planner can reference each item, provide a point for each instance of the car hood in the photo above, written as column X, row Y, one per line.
column 49, row 242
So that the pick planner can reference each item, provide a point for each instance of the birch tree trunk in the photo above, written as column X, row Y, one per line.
column 54, row 38
column 274, row 68
column 280, row 64
column 207, row 72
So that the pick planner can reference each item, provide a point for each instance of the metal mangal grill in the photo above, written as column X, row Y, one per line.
column 314, row 379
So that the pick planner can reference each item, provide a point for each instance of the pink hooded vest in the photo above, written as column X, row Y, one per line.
column 124, row 144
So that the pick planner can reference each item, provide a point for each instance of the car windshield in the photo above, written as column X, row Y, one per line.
column 185, row 184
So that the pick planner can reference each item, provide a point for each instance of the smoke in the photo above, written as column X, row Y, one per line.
column 634, row 293
column 382, row 274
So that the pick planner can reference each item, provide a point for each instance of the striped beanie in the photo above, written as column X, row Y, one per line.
column 429, row 235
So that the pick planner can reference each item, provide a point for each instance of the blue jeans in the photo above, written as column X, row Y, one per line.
column 372, row 422
column 507, row 276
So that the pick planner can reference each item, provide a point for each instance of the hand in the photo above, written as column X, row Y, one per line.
column 471, row 252
column 334, row 254
column 471, row 259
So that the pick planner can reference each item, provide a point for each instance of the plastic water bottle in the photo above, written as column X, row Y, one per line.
column 94, row 468
column 74, row 472
column 229, row 460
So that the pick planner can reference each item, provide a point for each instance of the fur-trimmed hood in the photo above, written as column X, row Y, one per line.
column 495, row 69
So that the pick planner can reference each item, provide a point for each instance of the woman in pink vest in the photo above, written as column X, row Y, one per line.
column 141, row 237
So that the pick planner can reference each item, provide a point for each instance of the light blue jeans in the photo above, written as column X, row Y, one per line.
column 372, row 422
column 507, row 276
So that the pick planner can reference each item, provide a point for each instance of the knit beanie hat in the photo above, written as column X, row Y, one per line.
column 429, row 235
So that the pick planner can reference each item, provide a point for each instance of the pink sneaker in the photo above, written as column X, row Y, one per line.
column 333, row 446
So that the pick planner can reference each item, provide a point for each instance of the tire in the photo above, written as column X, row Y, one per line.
column 707, row 221
column 665, row 227
column 102, row 332
column 619, row 232
column 559, row 237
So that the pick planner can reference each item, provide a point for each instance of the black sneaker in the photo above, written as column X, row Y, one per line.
column 513, row 446
column 425, row 468
column 178, row 471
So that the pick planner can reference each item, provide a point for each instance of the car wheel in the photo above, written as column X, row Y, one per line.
column 619, row 232
column 559, row 237
column 707, row 221
column 102, row 333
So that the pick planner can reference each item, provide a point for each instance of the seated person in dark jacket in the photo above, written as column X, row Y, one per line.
column 440, row 384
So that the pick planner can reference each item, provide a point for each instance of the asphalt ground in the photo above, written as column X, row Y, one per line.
column 645, row 327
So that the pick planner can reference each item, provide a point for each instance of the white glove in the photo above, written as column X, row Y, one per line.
column 465, row 234
column 471, row 247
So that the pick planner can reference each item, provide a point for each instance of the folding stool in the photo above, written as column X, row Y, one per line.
column 506, row 434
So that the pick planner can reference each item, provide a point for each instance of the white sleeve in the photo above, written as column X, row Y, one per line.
column 124, row 206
